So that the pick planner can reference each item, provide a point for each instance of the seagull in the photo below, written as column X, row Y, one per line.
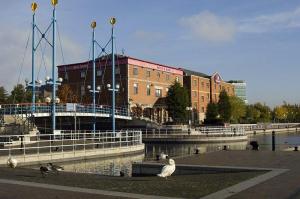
column 168, row 169
column 163, row 156
column 12, row 162
column 54, row 167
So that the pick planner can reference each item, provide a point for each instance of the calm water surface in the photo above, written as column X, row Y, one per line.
column 113, row 166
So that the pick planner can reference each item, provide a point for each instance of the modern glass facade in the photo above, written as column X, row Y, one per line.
column 240, row 89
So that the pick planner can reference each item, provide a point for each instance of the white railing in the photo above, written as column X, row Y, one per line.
column 66, row 141
column 203, row 131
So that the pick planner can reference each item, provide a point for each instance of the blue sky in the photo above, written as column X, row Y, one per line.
column 257, row 41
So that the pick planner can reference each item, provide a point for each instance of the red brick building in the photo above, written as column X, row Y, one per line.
column 143, row 84
column 204, row 89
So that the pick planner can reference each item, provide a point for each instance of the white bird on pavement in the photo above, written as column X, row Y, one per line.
column 168, row 169
column 163, row 156
column 12, row 162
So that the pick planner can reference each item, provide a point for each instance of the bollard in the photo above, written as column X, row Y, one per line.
column 296, row 148
column 225, row 148
column 273, row 140
column 197, row 150
column 157, row 157
column 254, row 132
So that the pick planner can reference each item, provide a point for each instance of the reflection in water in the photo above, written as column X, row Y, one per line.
column 282, row 140
column 177, row 150
column 108, row 166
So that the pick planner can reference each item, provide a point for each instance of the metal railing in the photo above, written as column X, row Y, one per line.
column 203, row 131
column 66, row 141
column 14, row 109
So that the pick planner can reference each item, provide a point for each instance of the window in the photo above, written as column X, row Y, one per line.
column 221, row 87
column 135, row 88
column 207, row 96
column 99, row 73
column 195, row 93
column 167, row 90
column 207, row 85
column 202, row 84
column 195, row 105
column 148, row 73
column 177, row 79
column 135, row 71
column 202, row 109
column 202, row 98
column 167, row 77
column 82, row 90
column 148, row 89
column 158, row 92
column 215, row 86
column 158, row 75
column 66, row 76
column 195, row 82
column 82, row 74
column 117, row 71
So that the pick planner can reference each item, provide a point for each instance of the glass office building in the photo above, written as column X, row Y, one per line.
column 240, row 89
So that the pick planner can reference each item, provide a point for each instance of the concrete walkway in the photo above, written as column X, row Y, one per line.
column 285, row 186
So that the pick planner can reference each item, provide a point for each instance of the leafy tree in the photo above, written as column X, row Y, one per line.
column 211, row 115
column 20, row 95
column 224, row 106
column 265, row 112
column 280, row 113
column 177, row 100
column 66, row 94
column 238, row 109
column 3, row 95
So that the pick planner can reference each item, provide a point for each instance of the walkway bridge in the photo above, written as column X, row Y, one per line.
column 63, row 110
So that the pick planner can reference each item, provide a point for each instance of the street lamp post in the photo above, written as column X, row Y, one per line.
column 93, row 25
column 114, row 88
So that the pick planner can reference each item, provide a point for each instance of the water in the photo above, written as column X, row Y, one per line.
column 113, row 166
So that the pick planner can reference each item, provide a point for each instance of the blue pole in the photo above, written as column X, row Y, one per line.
column 32, row 67
column 53, row 70
column 113, row 80
column 94, row 82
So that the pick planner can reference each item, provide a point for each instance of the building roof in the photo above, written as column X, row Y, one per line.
column 236, row 81
column 190, row 72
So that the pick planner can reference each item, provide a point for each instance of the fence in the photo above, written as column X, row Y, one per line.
column 13, row 109
column 203, row 131
column 66, row 141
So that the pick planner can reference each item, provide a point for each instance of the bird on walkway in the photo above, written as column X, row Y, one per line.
column 163, row 156
column 168, row 169
column 12, row 162
column 45, row 170
column 54, row 168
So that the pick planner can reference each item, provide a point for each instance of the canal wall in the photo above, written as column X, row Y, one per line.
column 151, row 169
column 31, row 159
column 280, row 130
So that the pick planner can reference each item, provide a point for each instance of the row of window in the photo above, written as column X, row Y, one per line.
column 99, row 72
column 135, row 72
column 202, row 97
column 158, row 91
column 195, row 106
column 202, row 84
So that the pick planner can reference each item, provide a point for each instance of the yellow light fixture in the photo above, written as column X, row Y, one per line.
column 93, row 24
column 34, row 6
column 54, row 2
column 112, row 21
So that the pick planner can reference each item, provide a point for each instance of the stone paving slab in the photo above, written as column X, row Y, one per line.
column 285, row 186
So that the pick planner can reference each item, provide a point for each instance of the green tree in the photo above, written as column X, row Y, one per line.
column 177, row 100
column 224, row 106
column 66, row 94
column 3, row 95
column 211, row 115
column 20, row 95
column 238, row 109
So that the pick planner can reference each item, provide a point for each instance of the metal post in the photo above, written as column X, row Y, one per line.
column 53, row 70
column 113, row 76
column 32, row 66
column 94, row 81
column 273, row 140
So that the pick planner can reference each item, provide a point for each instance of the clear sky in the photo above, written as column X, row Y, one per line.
column 257, row 41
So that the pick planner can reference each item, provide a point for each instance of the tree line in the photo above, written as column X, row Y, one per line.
column 229, row 109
